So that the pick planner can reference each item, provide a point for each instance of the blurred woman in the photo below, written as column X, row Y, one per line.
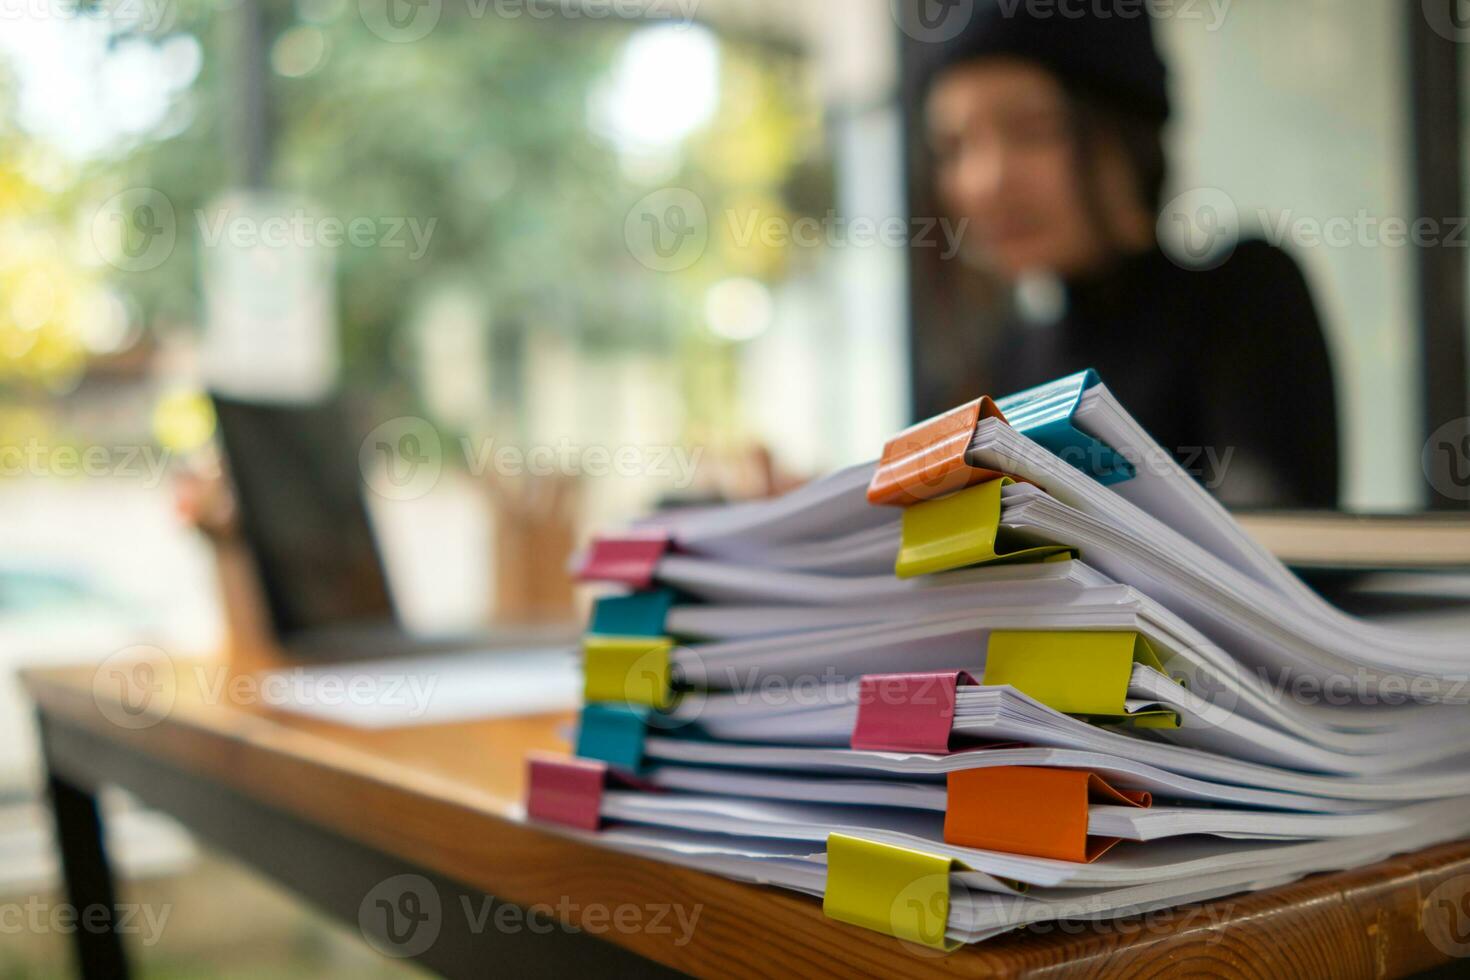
column 1046, row 138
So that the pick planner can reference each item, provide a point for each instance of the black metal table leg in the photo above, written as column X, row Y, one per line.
column 88, row 879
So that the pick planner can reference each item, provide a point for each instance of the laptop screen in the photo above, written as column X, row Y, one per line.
column 299, row 492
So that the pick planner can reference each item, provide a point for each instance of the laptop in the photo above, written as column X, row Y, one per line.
column 300, row 495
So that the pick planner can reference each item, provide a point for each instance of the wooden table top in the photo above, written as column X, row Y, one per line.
column 448, row 798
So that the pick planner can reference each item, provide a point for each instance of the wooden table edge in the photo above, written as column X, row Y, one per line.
column 1374, row 916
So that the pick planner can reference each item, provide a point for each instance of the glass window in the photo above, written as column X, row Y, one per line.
column 1297, row 111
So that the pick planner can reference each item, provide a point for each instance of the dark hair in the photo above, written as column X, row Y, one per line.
column 1140, row 138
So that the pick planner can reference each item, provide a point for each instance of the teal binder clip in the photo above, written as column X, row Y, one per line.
column 1044, row 415
column 637, row 614
column 613, row 733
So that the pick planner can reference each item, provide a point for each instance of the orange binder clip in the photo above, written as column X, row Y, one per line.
column 1031, row 810
column 927, row 460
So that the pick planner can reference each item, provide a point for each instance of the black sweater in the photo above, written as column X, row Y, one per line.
column 1226, row 367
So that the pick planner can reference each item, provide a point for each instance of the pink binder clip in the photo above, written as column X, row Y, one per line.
column 907, row 712
column 629, row 560
column 566, row 791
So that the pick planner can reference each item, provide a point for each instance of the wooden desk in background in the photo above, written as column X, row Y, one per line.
column 338, row 814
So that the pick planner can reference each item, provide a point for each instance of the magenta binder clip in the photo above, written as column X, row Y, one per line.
column 907, row 712
column 566, row 791
column 629, row 560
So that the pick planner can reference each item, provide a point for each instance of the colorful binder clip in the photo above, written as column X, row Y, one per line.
column 569, row 791
column 628, row 669
column 565, row 791
column 928, row 460
column 1078, row 673
column 613, row 733
column 1031, row 810
column 906, row 712
column 897, row 891
column 638, row 614
column 630, row 559
column 959, row 530
column 1044, row 414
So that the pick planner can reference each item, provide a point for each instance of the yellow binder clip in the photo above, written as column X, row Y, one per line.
column 1077, row 673
column 897, row 891
column 627, row 669
column 959, row 530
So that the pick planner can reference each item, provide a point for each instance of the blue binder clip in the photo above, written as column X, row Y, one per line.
column 637, row 614
column 613, row 733
column 1044, row 414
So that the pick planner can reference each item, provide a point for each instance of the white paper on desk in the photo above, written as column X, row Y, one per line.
column 429, row 690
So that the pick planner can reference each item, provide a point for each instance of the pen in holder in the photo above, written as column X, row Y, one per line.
column 534, row 517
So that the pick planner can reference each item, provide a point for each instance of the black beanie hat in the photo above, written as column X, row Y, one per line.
column 1103, row 49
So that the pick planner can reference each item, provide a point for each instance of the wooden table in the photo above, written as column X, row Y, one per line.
column 341, row 815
